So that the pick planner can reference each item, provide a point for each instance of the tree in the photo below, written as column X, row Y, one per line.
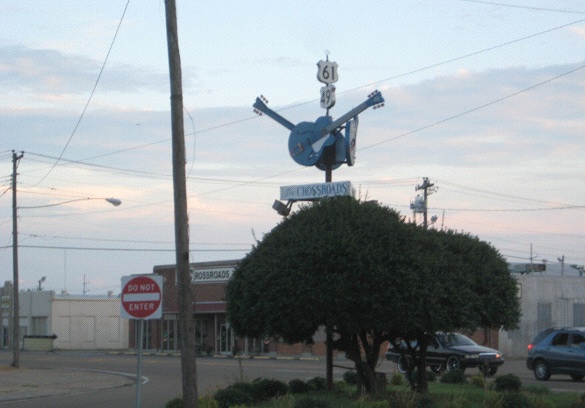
column 360, row 270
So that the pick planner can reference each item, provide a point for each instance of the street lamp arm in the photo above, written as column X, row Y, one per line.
column 114, row 201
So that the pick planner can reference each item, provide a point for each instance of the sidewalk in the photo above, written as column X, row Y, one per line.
column 24, row 383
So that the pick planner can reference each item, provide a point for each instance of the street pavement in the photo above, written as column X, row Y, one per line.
column 23, row 383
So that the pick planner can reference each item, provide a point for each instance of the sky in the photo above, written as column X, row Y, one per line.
column 484, row 98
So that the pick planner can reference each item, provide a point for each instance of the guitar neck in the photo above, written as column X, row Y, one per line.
column 261, row 106
column 344, row 118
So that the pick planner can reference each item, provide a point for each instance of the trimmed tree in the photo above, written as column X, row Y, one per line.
column 359, row 270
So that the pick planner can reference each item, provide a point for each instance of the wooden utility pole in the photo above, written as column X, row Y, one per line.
column 186, row 298
column 15, row 301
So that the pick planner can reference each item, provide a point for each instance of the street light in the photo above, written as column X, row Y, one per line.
column 44, row 278
column 15, row 302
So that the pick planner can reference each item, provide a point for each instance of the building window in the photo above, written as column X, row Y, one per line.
column 39, row 326
column 543, row 316
column 579, row 314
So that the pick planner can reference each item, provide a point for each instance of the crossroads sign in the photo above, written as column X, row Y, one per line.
column 308, row 192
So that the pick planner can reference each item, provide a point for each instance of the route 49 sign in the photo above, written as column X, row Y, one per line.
column 142, row 297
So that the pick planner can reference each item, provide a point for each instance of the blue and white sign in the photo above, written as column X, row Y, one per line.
column 307, row 192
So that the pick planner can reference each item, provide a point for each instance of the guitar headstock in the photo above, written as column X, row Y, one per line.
column 260, row 105
column 375, row 99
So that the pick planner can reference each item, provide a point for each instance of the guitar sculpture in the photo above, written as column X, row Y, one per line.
column 308, row 140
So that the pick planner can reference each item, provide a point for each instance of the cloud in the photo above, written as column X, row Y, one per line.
column 51, row 72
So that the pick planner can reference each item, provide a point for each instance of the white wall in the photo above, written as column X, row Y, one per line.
column 561, row 292
column 88, row 323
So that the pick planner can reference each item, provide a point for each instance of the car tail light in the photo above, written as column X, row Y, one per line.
column 530, row 346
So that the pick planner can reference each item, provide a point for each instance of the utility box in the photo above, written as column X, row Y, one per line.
column 38, row 343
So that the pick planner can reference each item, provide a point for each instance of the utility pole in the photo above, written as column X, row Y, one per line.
column 15, row 301
column 186, row 298
column 428, row 189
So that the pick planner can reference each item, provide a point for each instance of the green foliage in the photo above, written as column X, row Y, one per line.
column 454, row 377
column 511, row 399
column 207, row 402
column 397, row 379
column 536, row 389
column 235, row 394
column 352, row 265
column 175, row 403
column 507, row 382
column 263, row 389
column 580, row 403
column 317, row 384
column 478, row 380
column 297, row 386
column 350, row 377
column 310, row 402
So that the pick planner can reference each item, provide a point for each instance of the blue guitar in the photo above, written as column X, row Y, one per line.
column 308, row 139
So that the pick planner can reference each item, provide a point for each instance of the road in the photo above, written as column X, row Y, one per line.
column 163, row 374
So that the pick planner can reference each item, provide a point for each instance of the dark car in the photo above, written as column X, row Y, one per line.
column 558, row 351
column 450, row 351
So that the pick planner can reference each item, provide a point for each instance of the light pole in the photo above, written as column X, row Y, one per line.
column 15, row 301
column 44, row 278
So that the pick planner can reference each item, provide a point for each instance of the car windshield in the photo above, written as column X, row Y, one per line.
column 456, row 339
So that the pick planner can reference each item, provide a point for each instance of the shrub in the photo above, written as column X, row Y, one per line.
column 424, row 401
column 378, row 404
column 396, row 379
column 454, row 377
column 580, row 403
column 175, row 403
column 235, row 394
column 431, row 377
column 507, row 382
column 263, row 389
column 510, row 399
column 297, row 386
column 310, row 402
column 207, row 402
column 317, row 384
column 478, row 381
column 536, row 389
column 350, row 377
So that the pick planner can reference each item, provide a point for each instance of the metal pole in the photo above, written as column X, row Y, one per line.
column 15, row 301
column 139, row 363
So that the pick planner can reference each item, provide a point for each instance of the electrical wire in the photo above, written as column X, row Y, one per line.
column 90, row 95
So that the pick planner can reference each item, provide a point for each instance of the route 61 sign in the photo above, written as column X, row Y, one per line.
column 327, row 72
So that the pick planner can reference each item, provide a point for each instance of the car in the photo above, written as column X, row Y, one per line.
column 558, row 351
column 450, row 351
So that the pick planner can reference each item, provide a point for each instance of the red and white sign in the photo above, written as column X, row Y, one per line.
column 142, row 297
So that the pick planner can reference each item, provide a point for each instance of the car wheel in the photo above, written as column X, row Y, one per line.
column 541, row 370
column 402, row 365
column 577, row 377
column 436, row 369
column 493, row 370
column 453, row 363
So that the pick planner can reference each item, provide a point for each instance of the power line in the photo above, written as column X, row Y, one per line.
column 238, row 121
column 90, row 95
column 77, row 248
column 485, row 105
column 492, row 3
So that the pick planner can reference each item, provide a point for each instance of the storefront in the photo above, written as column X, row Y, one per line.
column 212, row 330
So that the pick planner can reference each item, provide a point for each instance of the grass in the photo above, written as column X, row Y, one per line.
column 440, row 396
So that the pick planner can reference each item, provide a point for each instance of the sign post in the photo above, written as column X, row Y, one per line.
column 141, row 299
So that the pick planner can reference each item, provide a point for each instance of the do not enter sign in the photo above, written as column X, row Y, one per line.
column 142, row 297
